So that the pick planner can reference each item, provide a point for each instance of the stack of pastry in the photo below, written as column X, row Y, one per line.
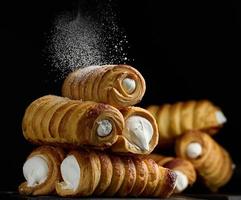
column 212, row 162
column 96, row 115
column 190, row 125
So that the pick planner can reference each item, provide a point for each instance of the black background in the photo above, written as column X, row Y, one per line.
column 185, row 50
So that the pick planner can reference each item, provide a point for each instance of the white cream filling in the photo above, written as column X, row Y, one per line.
column 70, row 172
column 181, row 182
column 104, row 128
column 194, row 149
column 35, row 170
column 140, row 131
column 221, row 119
column 129, row 85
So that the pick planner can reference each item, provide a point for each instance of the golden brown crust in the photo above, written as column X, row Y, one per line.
column 123, row 144
column 153, row 177
column 176, row 119
column 29, row 114
column 104, row 84
column 129, row 176
column 166, row 186
column 159, row 159
column 89, row 164
column 106, row 174
column 54, row 157
column 58, row 116
column 141, row 177
column 214, row 165
column 179, row 164
column 118, row 176
column 58, row 121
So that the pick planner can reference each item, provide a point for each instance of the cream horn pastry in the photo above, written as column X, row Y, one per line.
column 60, row 121
column 117, row 85
column 42, row 171
column 86, row 173
column 212, row 162
column 178, row 118
column 140, row 134
column 186, row 174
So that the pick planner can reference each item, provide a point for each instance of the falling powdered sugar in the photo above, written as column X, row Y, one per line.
column 82, row 41
column 74, row 43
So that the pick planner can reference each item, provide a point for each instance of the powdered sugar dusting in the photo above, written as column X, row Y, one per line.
column 87, row 69
column 85, row 40
column 74, row 44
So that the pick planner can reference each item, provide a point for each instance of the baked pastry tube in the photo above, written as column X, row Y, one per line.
column 117, row 85
column 80, row 172
column 41, row 171
column 60, row 121
column 140, row 134
column 88, row 173
column 186, row 174
column 178, row 118
column 212, row 162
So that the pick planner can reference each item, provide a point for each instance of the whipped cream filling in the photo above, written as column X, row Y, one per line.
column 35, row 170
column 181, row 182
column 194, row 149
column 140, row 131
column 70, row 172
column 104, row 128
column 129, row 85
column 221, row 119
